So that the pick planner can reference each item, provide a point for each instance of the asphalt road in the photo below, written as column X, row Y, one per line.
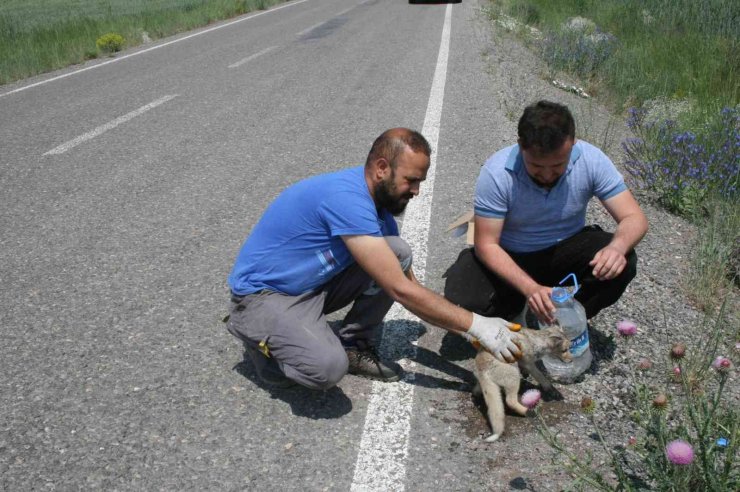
column 127, row 190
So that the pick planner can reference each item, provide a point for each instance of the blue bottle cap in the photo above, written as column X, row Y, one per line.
column 560, row 294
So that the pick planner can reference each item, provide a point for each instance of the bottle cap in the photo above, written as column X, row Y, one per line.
column 560, row 294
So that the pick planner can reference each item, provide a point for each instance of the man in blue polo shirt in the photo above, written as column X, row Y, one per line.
column 530, row 224
column 330, row 241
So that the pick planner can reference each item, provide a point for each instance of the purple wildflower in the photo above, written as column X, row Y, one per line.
column 626, row 328
column 722, row 364
column 679, row 452
column 531, row 398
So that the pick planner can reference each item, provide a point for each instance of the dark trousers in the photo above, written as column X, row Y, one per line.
column 470, row 284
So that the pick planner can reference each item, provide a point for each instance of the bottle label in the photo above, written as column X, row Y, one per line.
column 579, row 344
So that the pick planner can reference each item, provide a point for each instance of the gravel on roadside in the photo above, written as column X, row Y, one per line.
column 655, row 300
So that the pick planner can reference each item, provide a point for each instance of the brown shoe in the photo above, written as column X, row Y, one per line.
column 364, row 362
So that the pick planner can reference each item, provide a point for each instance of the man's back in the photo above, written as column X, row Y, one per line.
column 296, row 245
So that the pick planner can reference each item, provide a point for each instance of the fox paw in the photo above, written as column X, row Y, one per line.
column 492, row 438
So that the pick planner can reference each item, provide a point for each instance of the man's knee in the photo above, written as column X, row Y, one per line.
column 319, row 373
column 630, row 270
column 402, row 251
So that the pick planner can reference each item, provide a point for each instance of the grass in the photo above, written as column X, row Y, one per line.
column 716, row 261
column 674, row 48
column 37, row 36
column 676, row 63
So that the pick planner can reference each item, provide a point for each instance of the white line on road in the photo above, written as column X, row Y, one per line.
column 252, row 57
column 108, row 126
column 381, row 462
column 117, row 59
column 307, row 30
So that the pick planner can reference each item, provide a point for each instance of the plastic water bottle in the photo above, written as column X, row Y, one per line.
column 571, row 315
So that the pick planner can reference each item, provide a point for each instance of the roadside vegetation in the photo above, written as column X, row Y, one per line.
column 37, row 36
column 688, row 431
column 671, row 69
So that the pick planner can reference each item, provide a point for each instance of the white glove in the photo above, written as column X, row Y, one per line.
column 497, row 336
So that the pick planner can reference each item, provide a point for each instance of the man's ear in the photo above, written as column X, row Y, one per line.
column 382, row 168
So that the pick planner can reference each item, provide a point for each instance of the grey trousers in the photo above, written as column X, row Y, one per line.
column 295, row 330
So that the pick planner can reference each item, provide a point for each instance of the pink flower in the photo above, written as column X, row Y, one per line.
column 626, row 328
column 677, row 371
column 660, row 401
column 679, row 452
column 678, row 351
column 644, row 364
column 531, row 398
column 722, row 364
column 632, row 441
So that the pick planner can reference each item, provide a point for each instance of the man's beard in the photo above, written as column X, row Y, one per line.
column 541, row 184
column 385, row 198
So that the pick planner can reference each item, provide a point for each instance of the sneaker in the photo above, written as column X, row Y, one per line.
column 364, row 362
column 267, row 369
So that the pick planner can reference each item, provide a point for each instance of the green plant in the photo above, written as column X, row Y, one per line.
column 689, row 431
column 110, row 43
column 716, row 256
column 685, row 167
column 41, row 35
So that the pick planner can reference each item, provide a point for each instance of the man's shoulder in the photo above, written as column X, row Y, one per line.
column 501, row 163
column 501, row 157
column 589, row 152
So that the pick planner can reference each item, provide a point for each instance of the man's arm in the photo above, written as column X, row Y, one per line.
column 377, row 259
column 631, row 228
column 490, row 252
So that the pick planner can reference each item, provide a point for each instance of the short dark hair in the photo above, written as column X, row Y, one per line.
column 545, row 126
column 391, row 143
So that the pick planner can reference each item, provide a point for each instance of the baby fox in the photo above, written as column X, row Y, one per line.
column 494, row 375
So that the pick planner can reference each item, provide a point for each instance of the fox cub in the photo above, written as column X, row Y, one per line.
column 494, row 375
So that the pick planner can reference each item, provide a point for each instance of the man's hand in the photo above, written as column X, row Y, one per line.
column 608, row 262
column 497, row 336
column 540, row 304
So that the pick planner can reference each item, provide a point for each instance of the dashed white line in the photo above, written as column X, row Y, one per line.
column 108, row 126
column 119, row 58
column 252, row 57
column 309, row 29
column 381, row 461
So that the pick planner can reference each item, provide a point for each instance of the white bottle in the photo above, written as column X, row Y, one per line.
column 571, row 315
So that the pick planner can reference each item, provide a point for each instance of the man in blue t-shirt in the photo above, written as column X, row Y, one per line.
column 330, row 241
column 530, row 224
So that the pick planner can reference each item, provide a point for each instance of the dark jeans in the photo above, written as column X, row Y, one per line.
column 471, row 285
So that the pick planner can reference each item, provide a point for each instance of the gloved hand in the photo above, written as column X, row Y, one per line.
column 498, row 336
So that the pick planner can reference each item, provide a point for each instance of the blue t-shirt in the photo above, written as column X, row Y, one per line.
column 296, row 245
column 535, row 217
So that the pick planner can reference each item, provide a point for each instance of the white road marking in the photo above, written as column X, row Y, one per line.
column 108, row 126
column 307, row 30
column 252, row 57
column 381, row 462
column 119, row 58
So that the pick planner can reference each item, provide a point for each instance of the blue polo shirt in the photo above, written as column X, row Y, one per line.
column 536, row 218
column 297, row 246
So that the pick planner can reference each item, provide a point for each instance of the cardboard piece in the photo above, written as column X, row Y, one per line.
column 463, row 225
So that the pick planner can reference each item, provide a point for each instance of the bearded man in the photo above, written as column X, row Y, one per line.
column 329, row 241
